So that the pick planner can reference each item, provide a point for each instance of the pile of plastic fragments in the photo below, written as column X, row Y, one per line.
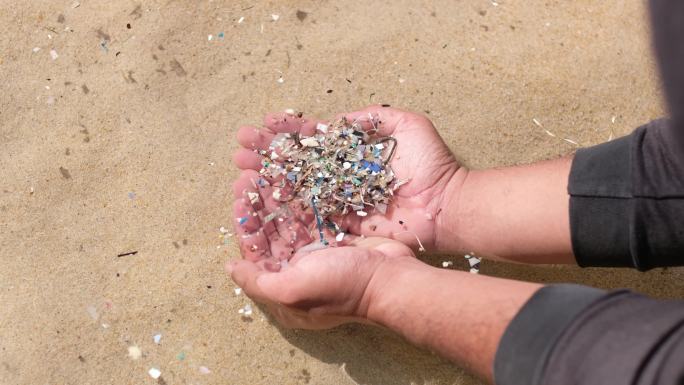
column 341, row 169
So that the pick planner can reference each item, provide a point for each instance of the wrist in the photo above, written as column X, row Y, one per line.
column 392, row 292
column 447, row 218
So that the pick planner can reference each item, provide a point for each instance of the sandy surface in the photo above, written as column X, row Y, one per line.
column 126, row 147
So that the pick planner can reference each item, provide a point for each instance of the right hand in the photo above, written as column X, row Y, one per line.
column 422, row 158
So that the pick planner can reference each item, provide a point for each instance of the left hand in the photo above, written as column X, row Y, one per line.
column 323, row 288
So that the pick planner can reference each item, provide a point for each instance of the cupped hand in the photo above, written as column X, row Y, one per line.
column 321, row 287
column 421, row 160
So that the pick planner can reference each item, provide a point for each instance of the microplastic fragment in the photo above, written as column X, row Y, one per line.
column 157, row 338
column 210, row 37
column 36, row 49
column 310, row 142
column 322, row 127
column 447, row 263
column 204, row 370
column 237, row 290
column 241, row 20
column 92, row 311
column 270, row 217
column 154, row 373
column 246, row 310
column 221, row 35
column 223, row 230
column 134, row 352
column 242, row 220
column 339, row 237
column 253, row 197
column 180, row 356
column 53, row 54
column 290, row 111
column 276, row 194
column 536, row 122
column 281, row 80
column 275, row 17
column 474, row 271
column 473, row 261
column 361, row 213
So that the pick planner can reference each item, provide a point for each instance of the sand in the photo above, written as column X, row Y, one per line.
column 123, row 143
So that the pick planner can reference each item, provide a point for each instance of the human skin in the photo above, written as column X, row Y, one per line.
column 458, row 315
column 518, row 214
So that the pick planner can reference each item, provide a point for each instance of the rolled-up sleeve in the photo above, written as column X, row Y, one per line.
column 627, row 200
column 627, row 196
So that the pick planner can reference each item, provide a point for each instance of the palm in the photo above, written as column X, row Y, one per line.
column 320, row 289
column 421, row 159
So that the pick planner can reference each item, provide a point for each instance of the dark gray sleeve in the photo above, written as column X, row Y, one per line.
column 568, row 334
column 627, row 196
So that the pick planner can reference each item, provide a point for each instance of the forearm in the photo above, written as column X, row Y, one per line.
column 458, row 315
column 515, row 213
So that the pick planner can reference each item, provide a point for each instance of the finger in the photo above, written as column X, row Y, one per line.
column 247, row 159
column 245, row 274
column 253, row 241
column 254, row 138
column 283, row 122
column 385, row 119
column 289, row 231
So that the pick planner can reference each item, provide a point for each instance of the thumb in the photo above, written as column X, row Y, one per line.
column 245, row 274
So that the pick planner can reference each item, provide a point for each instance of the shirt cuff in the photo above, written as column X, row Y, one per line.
column 526, row 345
column 601, row 204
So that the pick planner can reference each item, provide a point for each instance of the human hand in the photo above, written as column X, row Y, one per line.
column 321, row 288
column 422, row 159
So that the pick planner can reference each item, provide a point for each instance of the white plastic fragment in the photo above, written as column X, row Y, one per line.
column 253, row 197
column 157, row 338
column 237, row 290
column 346, row 165
column 134, row 352
column 210, row 37
column 36, row 49
column 473, row 261
column 276, row 194
column 447, row 263
column 361, row 213
column 53, row 54
column 204, row 370
column 536, row 122
column 309, row 142
column 281, row 80
column 92, row 311
column 246, row 311
column 274, row 155
column 241, row 19
column 339, row 237
column 322, row 127
column 275, row 17
column 400, row 183
column 474, row 270
column 290, row 111
column 154, row 373
column 223, row 230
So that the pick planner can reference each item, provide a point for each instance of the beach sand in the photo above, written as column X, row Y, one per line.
column 122, row 143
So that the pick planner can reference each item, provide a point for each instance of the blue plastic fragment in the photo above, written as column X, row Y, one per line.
column 221, row 35
column 244, row 219
column 291, row 176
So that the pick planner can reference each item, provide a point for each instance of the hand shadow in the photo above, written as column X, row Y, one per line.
column 371, row 355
